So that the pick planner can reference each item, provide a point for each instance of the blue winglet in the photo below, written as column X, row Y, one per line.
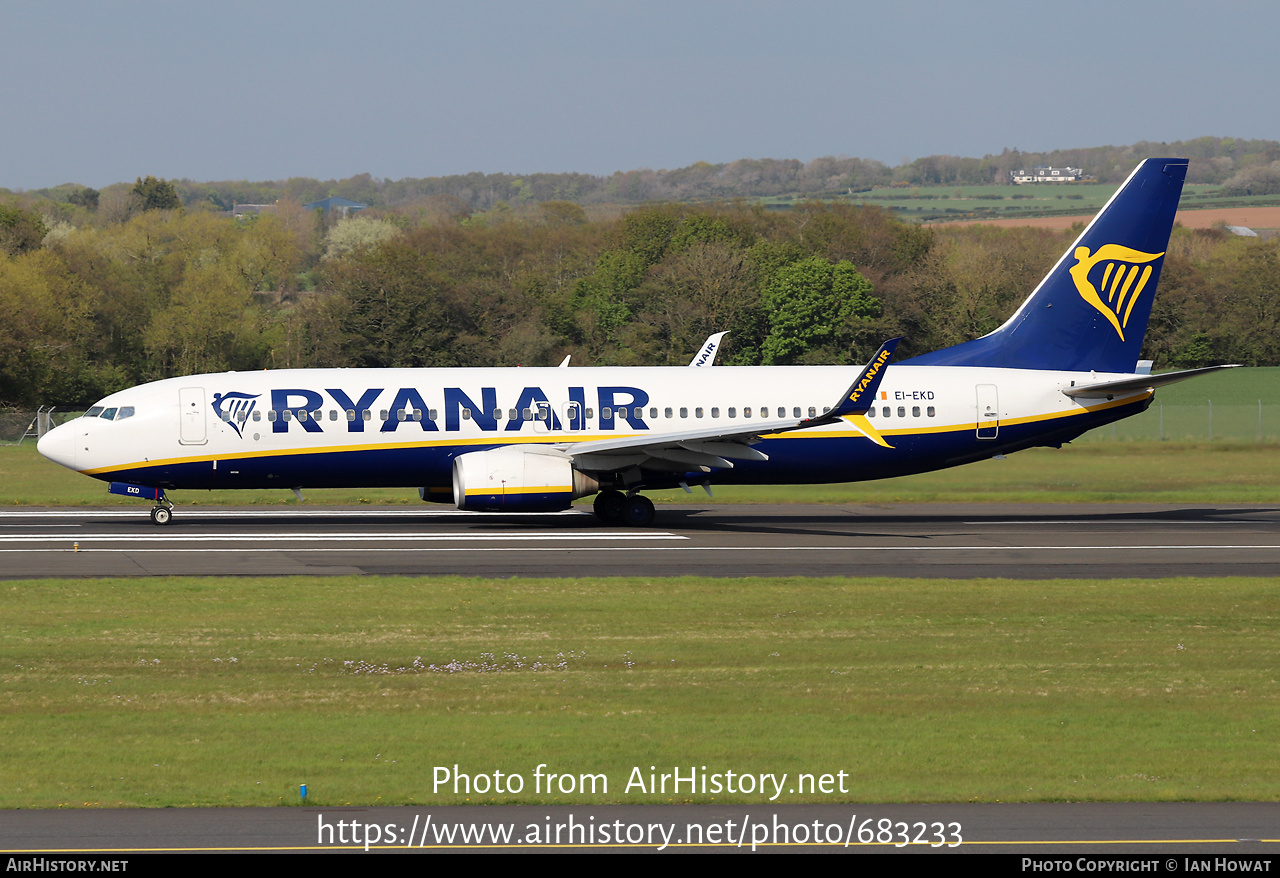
column 862, row 392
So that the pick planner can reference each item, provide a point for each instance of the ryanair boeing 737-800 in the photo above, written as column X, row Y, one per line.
column 535, row 439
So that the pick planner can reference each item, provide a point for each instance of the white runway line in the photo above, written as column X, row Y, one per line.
column 597, row 548
column 362, row 537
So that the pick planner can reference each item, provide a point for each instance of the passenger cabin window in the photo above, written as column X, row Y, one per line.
column 715, row 411
column 931, row 411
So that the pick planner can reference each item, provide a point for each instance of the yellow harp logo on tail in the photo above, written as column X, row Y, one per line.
column 1124, row 276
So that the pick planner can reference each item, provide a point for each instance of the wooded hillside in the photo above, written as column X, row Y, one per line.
column 93, row 308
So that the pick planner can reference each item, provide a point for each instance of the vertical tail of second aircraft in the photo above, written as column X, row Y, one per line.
column 1090, row 312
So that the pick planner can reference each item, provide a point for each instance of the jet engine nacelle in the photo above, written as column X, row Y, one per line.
column 516, row 479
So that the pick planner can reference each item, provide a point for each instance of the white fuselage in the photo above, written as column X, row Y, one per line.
column 403, row 427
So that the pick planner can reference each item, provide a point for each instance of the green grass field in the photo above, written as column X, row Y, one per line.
column 933, row 203
column 160, row 692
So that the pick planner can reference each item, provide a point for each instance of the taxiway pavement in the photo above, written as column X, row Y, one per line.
column 1036, row 541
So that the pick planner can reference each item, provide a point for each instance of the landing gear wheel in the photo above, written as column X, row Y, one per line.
column 609, row 506
column 161, row 515
column 638, row 512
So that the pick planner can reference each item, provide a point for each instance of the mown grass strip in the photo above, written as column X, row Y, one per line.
column 235, row 691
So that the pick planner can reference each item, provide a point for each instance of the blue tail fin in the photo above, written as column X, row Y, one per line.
column 1090, row 312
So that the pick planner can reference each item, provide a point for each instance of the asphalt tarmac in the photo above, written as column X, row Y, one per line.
column 1160, row 834
column 1030, row 541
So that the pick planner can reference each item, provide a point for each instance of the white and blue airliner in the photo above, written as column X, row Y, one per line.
column 536, row 439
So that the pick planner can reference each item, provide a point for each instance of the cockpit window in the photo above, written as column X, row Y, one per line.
column 108, row 414
column 93, row 412
column 126, row 411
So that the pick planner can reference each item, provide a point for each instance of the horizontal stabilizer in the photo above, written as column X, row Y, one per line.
column 1109, row 389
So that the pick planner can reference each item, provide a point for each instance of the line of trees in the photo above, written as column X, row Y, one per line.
column 1241, row 166
column 164, row 292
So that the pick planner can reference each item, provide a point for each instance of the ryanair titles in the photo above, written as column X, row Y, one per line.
column 297, row 408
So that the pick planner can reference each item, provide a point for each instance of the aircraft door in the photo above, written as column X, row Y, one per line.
column 542, row 417
column 191, row 425
column 988, row 423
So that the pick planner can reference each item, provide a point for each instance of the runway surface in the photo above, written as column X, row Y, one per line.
column 1152, row 830
column 964, row 541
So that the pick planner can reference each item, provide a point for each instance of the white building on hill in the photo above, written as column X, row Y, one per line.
column 1047, row 175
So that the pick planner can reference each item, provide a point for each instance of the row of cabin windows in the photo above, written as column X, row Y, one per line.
column 886, row 411
column 540, row 414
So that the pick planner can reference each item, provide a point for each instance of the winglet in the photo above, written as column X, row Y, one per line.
column 862, row 392
column 706, row 355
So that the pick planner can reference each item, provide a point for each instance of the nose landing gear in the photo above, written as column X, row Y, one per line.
column 161, row 513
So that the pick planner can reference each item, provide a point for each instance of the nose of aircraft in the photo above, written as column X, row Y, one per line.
column 59, row 445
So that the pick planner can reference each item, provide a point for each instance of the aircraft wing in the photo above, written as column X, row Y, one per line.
column 1122, row 386
column 720, row 446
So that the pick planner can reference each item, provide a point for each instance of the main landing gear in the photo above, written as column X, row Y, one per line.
column 615, row 507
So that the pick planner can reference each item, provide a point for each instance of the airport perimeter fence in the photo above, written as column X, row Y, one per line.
column 19, row 426
column 1207, row 422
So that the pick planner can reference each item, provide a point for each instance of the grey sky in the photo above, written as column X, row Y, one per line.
column 103, row 92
